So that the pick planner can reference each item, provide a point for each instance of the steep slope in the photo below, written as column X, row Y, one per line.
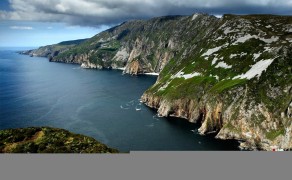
column 48, row 140
column 231, row 74
column 236, row 81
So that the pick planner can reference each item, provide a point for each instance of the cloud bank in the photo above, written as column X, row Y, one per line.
column 108, row 12
column 21, row 27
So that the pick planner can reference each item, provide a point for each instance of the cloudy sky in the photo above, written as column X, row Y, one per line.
column 33, row 23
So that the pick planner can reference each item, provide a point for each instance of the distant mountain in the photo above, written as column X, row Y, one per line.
column 53, row 50
column 233, row 75
column 48, row 140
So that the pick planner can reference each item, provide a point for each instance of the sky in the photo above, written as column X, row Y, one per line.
column 33, row 23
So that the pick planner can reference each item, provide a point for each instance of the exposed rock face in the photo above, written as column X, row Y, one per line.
column 133, row 67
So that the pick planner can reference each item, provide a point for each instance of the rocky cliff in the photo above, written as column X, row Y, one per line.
column 233, row 75
column 235, row 81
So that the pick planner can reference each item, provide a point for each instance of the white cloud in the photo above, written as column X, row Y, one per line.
column 106, row 12
column 21, row 27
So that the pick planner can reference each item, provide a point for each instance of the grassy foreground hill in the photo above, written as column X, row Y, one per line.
column 48, row 140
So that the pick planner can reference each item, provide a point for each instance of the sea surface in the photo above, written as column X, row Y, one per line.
column 103, row 104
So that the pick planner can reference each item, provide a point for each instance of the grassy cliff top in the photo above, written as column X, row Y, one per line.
column 48, row 140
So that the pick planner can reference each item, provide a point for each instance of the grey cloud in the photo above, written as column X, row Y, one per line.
column 108, row 12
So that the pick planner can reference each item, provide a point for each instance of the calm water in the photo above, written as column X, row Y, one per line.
column 98, row 103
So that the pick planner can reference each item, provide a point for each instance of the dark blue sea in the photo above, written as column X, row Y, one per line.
column 102, row 104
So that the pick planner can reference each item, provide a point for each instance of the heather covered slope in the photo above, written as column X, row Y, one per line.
column 48, row 140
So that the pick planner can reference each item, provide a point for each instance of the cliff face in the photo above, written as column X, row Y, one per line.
column 140, row 46
column 231, row 74
column 236, row 81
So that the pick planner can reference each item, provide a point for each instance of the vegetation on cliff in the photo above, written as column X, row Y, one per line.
column 233, row 75
column 48, row 140
column 237, row 81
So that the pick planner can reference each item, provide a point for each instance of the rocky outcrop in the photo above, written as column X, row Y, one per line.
column 133, row 68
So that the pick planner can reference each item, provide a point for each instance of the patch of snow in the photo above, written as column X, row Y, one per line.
column 152, row 74
column 245, row 38
column 256, row 69
column 181, row 74
column 217, row 77
column 188, row 76
column 220, row 38
column 272, row 39
column 195, row 16
column 233, row 55
column 223, row 65
column 214, row 60
column 290, row 40
column 213, row 50
column 257, row 55
column 269, row 26
column 223, row 26
column 229, row 30
column 243, row 54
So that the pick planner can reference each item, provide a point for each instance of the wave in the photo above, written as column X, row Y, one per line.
column 60, row 99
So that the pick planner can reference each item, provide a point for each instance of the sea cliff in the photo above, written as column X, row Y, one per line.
column 232, row 75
